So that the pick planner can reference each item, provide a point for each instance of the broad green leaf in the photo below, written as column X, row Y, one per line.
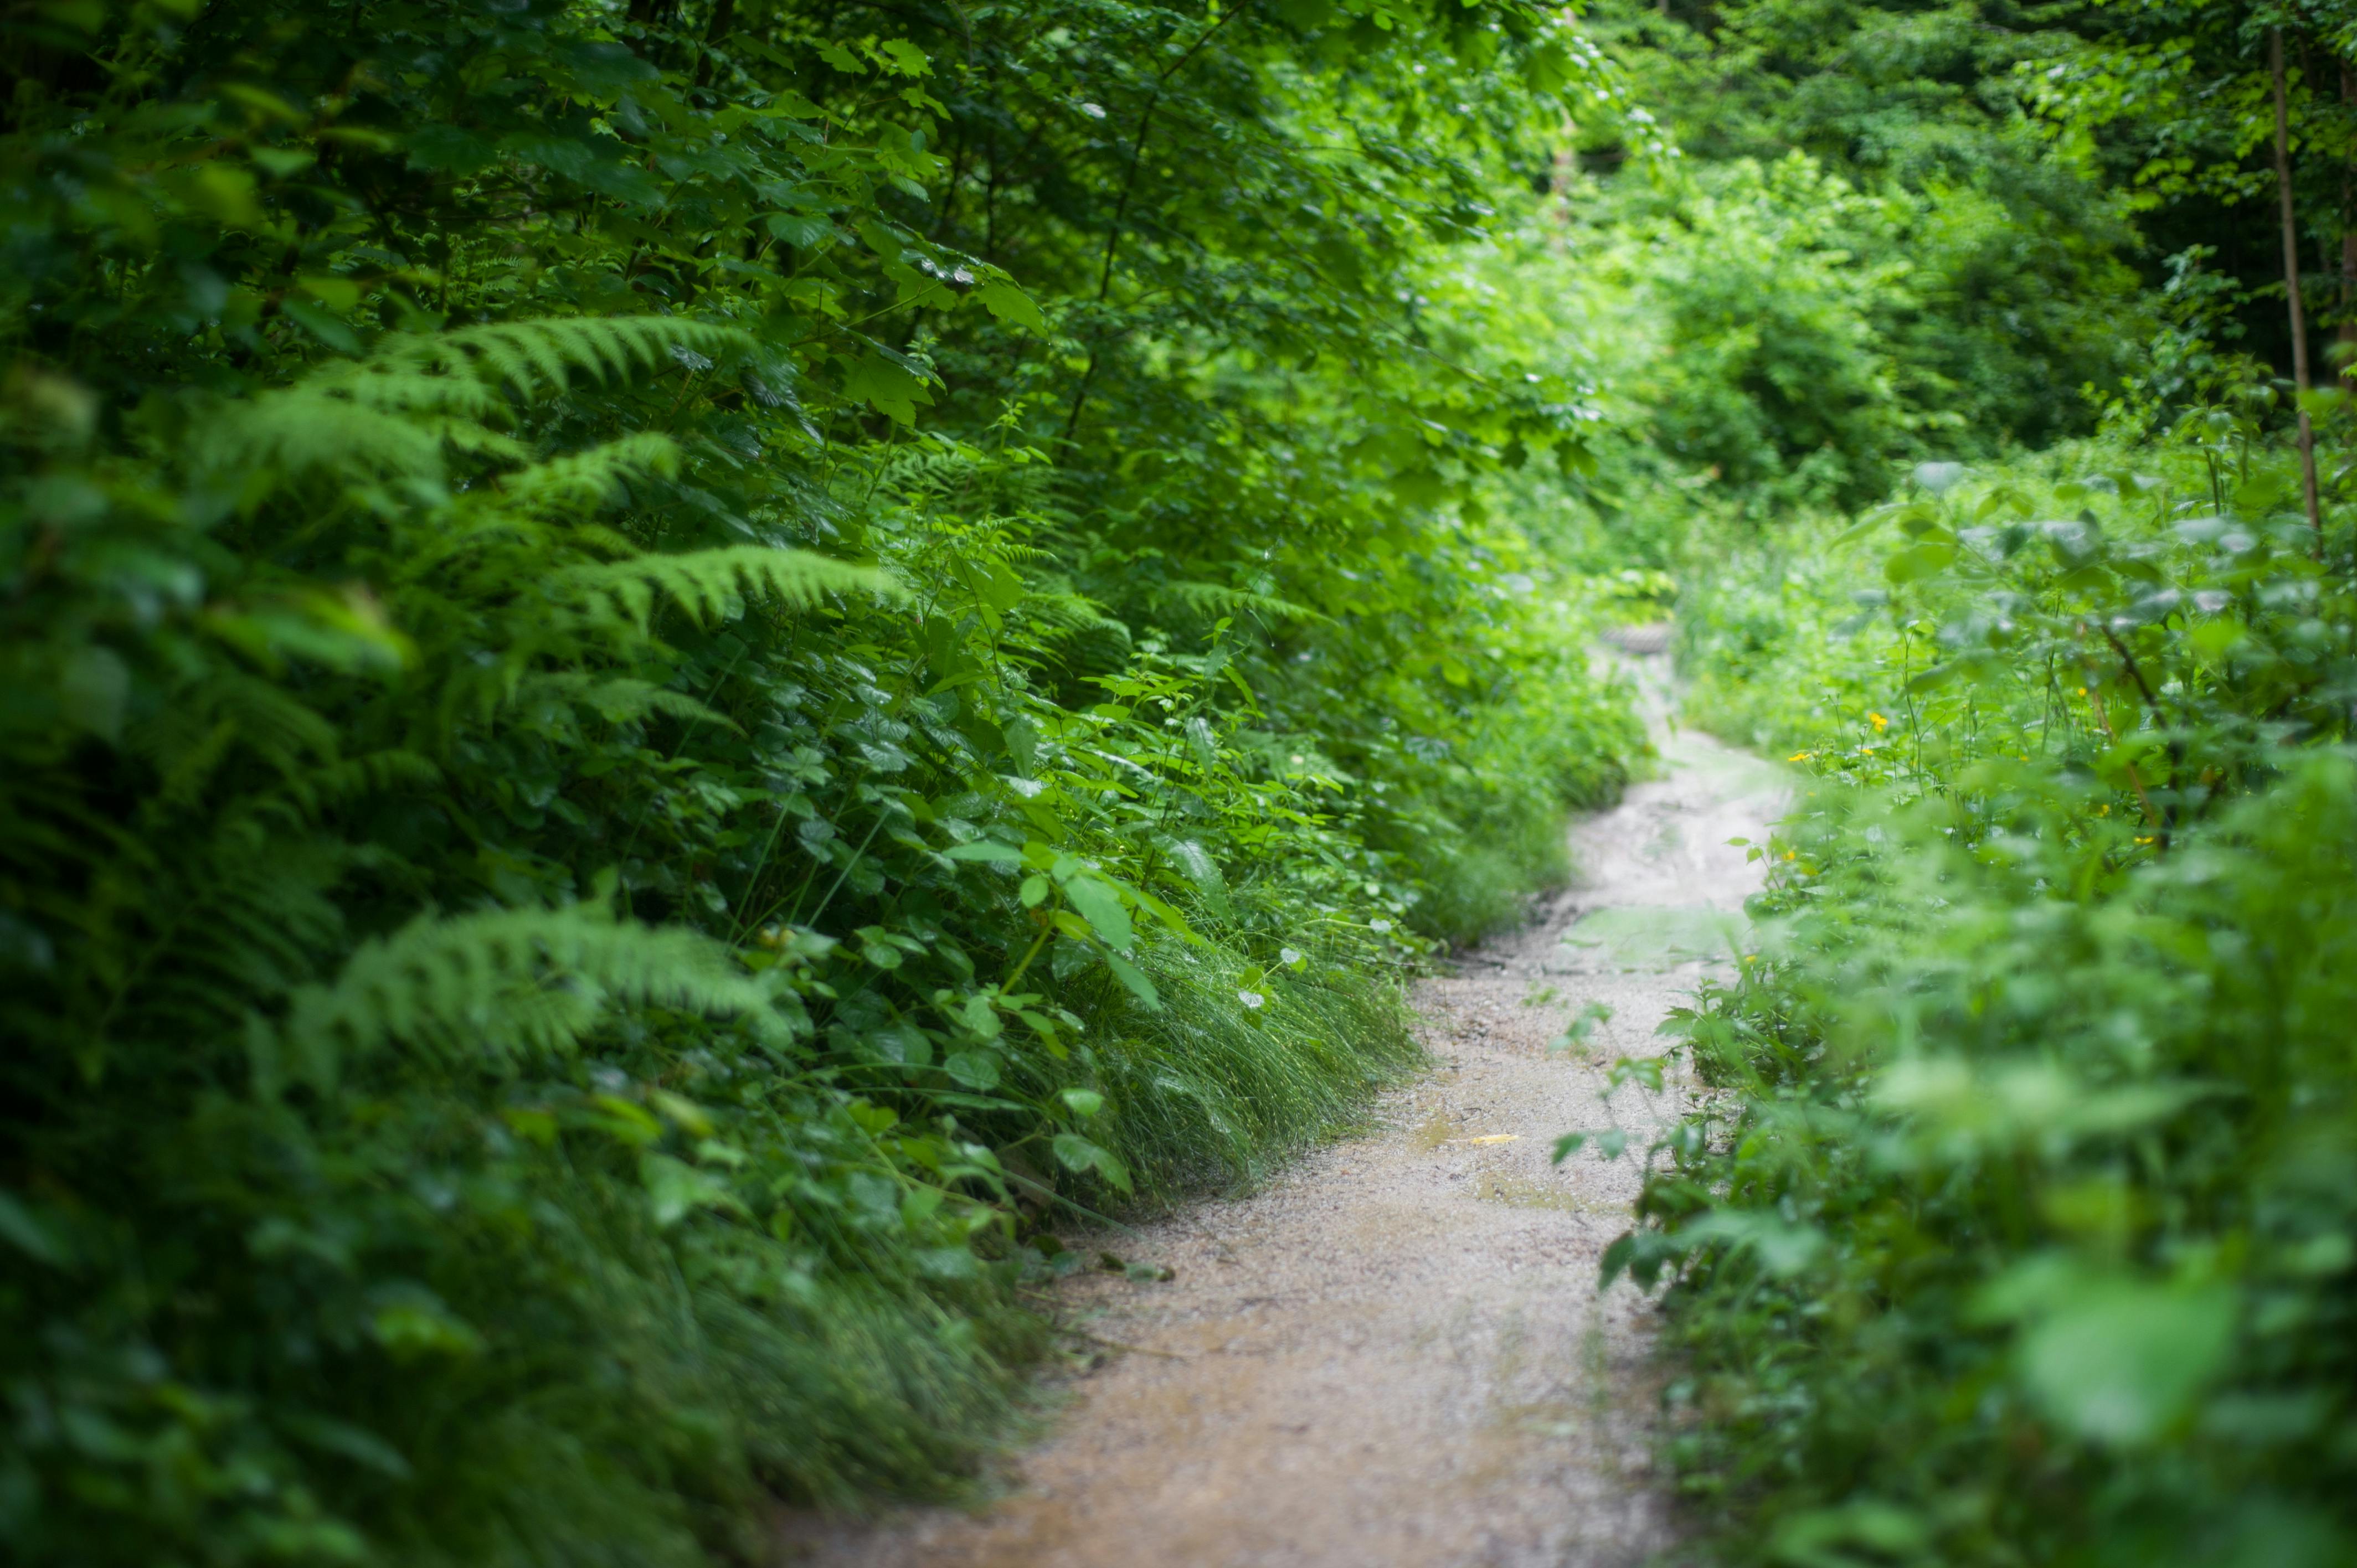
column 2121, row 1363
column 1078, row 1154
column 1918, row 561
column 1136, row 979
column 1011, row 304
column 978, row 1070
column 992, row 850
column 1100, row 904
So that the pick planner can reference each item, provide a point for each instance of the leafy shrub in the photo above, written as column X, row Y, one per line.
column 2021, row 1231
column 579, row 891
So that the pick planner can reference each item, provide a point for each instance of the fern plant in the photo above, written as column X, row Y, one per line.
column 576, row 889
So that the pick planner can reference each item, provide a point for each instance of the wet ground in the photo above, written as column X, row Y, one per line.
column 1396, row 1353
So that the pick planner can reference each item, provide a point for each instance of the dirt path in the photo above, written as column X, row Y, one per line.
column 1395, row 1354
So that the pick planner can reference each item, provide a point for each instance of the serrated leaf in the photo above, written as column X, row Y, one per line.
column 1011, row 304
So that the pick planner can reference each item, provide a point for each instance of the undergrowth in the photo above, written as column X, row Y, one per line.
column 673, row 675
column 2016, row 1226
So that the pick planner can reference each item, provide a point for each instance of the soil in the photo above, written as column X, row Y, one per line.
column 1395, row 1352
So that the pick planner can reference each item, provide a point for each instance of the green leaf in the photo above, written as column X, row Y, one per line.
column 29, row 1233
column 415, row 1325
column 675, row 1189
column 992, row 850
column 1011, row 304
column 803, row 231
column 2121, row 1363
column 1918, row 561
column 1077, row 1154
column 626, row 1121
column 1135, row 978
column 1099, row 903
column 889, row 389
column 904, row 56
column 1816, row 1537
column 1784, row 1249
column 322, row 323
column 978, row 1070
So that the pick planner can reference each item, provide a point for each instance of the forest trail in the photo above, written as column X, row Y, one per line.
column 1394, row 1353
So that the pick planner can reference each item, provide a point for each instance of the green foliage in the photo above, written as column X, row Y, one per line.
column 669, row 673
column 2021, row 1229
column 1944, row 273
column 2173, row 106
column 1776, row 375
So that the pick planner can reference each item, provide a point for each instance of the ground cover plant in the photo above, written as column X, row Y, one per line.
column 2018, row 1227
column 2012, row 1226
column 672, row 675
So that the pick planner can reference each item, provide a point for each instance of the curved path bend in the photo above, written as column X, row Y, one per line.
column 1394, row 1354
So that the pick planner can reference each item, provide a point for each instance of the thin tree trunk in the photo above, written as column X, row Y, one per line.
column 2348, row 243
column 723, row 17
column 2291, row 285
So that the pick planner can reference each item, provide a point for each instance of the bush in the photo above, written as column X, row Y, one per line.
column 2019, row 1232
column 626, row 769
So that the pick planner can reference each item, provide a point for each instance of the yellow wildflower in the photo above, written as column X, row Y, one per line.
column 1878, row 721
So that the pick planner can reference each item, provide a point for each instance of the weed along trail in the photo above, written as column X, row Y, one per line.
column 1394, row 1353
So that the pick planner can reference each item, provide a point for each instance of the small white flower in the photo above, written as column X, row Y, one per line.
column 1289, row 957
column 1296, row 759
column 1379, row 924
column 1251, row 999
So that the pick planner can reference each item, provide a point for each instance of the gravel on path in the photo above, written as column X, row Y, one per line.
column 1394, row 1353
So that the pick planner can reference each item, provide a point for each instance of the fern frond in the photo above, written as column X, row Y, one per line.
column 254, row 926
column 392, row 382
column 617, row 699
column 550, row 352
column 1065, row 613
column 188, row 738
column 396, row 413
column 509, row 983
column 579, row 483
column 305, row 429
column 311, row 792
column 714, row 586
column 1217, row 599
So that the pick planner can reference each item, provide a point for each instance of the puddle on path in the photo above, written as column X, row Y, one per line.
column 1395, row 1356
